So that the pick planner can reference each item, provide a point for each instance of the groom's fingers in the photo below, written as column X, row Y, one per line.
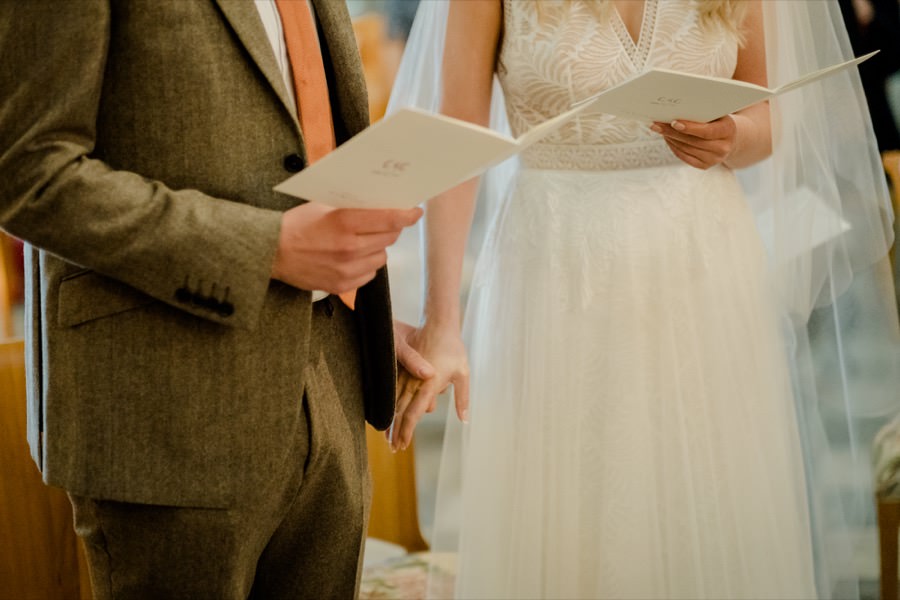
column 406, row 387
column 412, row 361
column 406, row 421
column 408, row 357
column 410, row 389
column 414, row 393
column 411, row 418
column 413, row 405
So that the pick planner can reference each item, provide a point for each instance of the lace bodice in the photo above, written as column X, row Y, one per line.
column 568, row 54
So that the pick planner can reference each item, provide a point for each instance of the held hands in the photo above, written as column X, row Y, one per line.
column 701, row 145
column 411, row 362
column 417, row 391
column 336, row 250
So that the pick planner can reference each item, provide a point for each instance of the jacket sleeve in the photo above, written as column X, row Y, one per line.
column 55, row 196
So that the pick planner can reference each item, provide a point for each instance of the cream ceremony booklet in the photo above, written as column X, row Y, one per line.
column 407, row 158
column 664, row 96
column 414, row 155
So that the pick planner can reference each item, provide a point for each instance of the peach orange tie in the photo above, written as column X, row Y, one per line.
column 310, row 84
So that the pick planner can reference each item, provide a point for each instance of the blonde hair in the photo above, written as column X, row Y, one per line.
column 713, row 13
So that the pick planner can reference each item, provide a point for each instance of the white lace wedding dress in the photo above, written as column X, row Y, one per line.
column 632, row 433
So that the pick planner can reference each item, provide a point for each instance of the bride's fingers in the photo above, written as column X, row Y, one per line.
column 719, row 129
column 461, row 395
column 694, row 156
column 690, row 158
column 718, row 147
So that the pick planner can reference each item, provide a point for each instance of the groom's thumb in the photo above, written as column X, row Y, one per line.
column 412, row 361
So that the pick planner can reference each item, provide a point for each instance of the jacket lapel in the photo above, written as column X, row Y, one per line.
column 343, row 66
column 340, row 53
column 243, row 17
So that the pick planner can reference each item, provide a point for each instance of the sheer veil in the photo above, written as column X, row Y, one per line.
column 823, row 210
column 836, row 296
column 418, row 84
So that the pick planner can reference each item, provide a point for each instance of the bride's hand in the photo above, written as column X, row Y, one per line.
column 443, row 349
column 701, row 145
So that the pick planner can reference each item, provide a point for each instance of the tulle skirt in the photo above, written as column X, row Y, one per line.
column 632, row 432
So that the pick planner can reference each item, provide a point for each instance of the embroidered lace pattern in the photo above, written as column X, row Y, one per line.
column 634, row 155
column 551, row 61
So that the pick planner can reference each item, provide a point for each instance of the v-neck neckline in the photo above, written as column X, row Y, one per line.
column 636, row 48
column 634, row 40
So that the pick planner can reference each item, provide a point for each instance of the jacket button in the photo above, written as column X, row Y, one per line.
column 183, row 295
column 226, row 309
column 207, row 302
column 293, row 163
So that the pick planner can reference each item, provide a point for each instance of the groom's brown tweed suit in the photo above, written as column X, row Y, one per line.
column 139, row 143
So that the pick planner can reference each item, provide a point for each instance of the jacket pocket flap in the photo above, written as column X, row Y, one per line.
column 87, row 296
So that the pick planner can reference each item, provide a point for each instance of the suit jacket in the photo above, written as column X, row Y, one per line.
column 139, row 144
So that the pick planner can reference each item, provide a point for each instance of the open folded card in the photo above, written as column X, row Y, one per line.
column 413, row 155
column 663, row 95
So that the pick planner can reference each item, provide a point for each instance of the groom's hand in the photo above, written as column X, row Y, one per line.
column 336, row 250
column 408, row 358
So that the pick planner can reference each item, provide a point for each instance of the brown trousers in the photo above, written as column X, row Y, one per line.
column 300, row 537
